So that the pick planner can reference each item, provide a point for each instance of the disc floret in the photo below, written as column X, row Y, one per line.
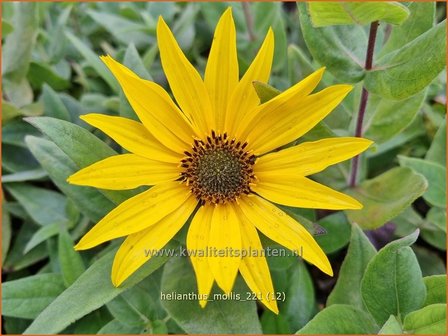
column 218, row 169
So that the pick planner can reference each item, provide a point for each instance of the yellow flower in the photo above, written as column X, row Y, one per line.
column 212, row 155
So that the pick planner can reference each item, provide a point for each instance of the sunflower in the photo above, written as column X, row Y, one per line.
column 212, row 156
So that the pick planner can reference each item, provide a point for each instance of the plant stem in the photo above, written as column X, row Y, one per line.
column 364, row 99
column 249, row 21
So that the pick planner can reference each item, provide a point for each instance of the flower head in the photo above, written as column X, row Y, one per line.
column 213, row 155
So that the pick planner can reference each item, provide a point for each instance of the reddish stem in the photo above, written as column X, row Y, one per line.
column 364, row 99
column 249, row 21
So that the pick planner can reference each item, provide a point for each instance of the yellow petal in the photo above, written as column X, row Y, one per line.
column 309, row 157
column 197, row 243
column 284, row 101
column 154, row 108
column 139, row 247
column 224, row 238
column 125, row 171
column 254, row 268
column 221, row 73
column 185, row 82
column 132, row 136
column 283, row 229
column 244, row 98
column 301, row 192
column 136, row 214
column 283, row 121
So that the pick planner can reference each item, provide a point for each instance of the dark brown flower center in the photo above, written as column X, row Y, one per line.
column 219, row 169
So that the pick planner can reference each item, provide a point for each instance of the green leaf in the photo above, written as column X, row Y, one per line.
column 402, row 73
column 274, row 324
column 299, row 65
column 70, row 261
column 392, row 283
column 6, row 232
column 20, row 43
column 115, row 327
column 348, row 286
column 434, row 236
column 435, row 175
column 156, row 327
column 407, row 222
column 44, row 206
column 435, row 289
column 27, row 297
column 59, row 166
column 429, row 320
column 14, row 132
column 92, row 102
column 13, row 325
column 344, row 13
column 337, row 233
column 166, row 9
column 152, row 287
column 300, row 301
column 420, row 20
column 437, row 151
column 213, row 11
column 133, row 307
column 320, row 131
column 292, row 278
column 81, row 146
column 19, row 93
column 391, row 327
column 91, row 323
column 437, row 217
column 184, row 26
column 9, row 112
column 220, row 316
column 94, row 61
column 16, row 210
column 389, row 117
column 78, row 143
column 40, row 74
column 33, row 110
column 54, row 107
column 429, row 261
column 90, row 291
column 340, row 319
column 124, row 30
column 264, row 91
column 16, row 259
column 42, row 235
column 17, row 159
column 413, row 131
column 28, row 175
column 112, row 103
column 134, row 62
column 385, row 196
column 278, row 263
column 341, row 49
column 270, row 15
column 7, row 28
column 58, row 42
column 74, row 107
